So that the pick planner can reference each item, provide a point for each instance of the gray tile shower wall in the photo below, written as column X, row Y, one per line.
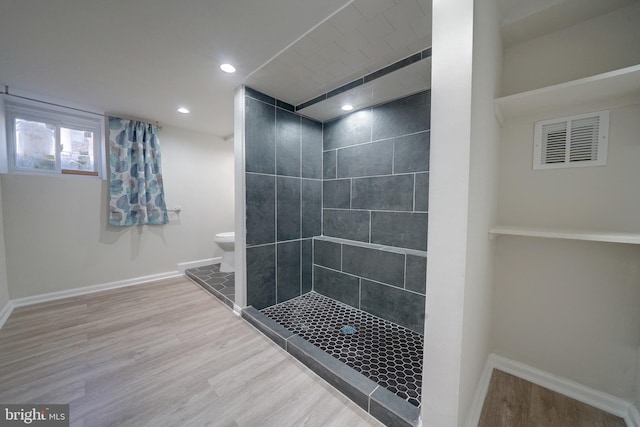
column 387, row 282
column 311, row 208
column 376, row 174
column 363, row 177
column 283, row 165
column 376, row 190
column 289, row 272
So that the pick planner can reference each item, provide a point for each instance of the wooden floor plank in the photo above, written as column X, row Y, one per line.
column 512, row 401
column 162, row 353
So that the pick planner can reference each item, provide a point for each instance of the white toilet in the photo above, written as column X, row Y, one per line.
column 227, row 242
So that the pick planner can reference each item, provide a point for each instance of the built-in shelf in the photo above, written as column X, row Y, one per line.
column 373, row 246
column 624, row 82
column 567, row 233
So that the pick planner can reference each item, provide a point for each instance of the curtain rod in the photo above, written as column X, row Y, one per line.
column 137, row 119
column 7, row 93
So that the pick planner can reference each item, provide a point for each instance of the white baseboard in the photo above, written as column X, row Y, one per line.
column 604, row 401
column 52, row 296
column 481, row 392
column 182, row 266
column 6, row 312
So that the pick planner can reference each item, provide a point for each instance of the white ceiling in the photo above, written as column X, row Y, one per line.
column 397, row 84
column 363, row 37
column 524, row 20
column 144, row 58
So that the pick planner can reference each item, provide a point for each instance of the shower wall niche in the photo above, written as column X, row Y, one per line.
column 340, row 208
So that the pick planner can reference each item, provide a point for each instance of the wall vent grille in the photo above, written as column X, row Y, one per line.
column 573, row 141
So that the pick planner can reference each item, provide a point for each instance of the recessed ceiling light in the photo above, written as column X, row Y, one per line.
column 228, row 68
column 347, row 107
column 183, row 110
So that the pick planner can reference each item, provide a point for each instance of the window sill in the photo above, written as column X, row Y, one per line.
column 77, row 172
column 71, row 174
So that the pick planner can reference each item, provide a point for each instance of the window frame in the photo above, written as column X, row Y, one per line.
column 60, row 117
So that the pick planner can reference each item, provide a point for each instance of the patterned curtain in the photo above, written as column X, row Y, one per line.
column 135, row 178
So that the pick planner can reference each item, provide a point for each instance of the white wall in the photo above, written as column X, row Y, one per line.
column 55, row 227
column 570, row 308
column 4, row 288
column 239, row 191
column 594, row 46
column 466, row 67
column 483, row 200
column 451, row 72
column 596, row 198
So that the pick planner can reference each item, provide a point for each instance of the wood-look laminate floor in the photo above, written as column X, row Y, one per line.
column 165, row 353
column 514, row 402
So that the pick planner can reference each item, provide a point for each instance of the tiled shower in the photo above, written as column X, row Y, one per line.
column 283, row 178
column 340, row 210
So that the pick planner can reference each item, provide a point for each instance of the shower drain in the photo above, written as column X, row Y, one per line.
column 348, row 330
column 384, row 352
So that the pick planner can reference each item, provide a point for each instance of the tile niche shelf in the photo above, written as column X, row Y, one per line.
column 567, row 234
column 624, row 82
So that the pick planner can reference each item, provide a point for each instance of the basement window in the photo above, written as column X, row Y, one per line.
column 573, row 141
column 48, row 140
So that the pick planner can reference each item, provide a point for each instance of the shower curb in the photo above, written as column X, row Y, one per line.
column 377, row 401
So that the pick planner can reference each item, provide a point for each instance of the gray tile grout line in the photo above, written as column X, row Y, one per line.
column 301, row 200
column 369, row 398
column 275, row 243
column 350, row 193
column 321, row 200
column 374, row 210
column 414, row 191
column 373, row 176
column 366, row 278
column 301, row 207
column 283, row 176
column 275, row 127
column 371, row 123
column 393, row 157
column 313, row 258
column 396, row 249
column 405, row 271
column 372, row 141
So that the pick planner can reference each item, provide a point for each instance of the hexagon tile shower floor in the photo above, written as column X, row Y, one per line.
column 388, row 354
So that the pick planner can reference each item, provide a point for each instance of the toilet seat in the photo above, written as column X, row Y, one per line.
column 226, row 241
